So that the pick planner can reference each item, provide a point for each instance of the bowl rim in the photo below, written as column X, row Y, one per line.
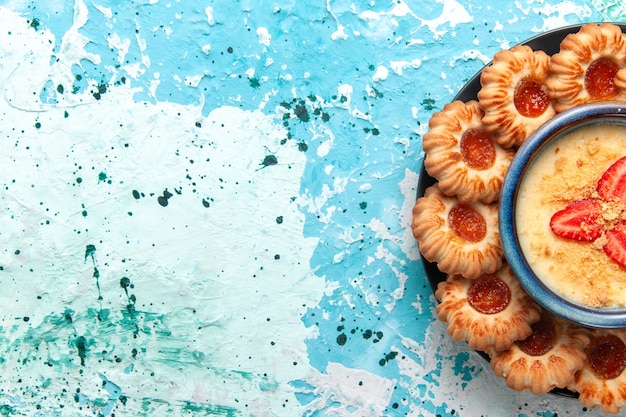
column 552, row 129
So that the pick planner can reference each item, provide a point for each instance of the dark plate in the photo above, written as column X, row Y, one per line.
column 550, row 43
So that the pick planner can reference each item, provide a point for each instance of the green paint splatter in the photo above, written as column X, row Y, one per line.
column 302, row 113
column 35, row 23
column 125, row 283
column 269, row 160
column 90, row 252
column 268, row 385
column 7, row 410
column 254, row 82
column 209, row 410
column 102, row 88
column 81, row 345
column 388, row 357
column 131, row 312
column 429, row 104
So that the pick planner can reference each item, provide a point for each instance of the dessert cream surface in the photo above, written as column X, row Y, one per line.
column 567, row 170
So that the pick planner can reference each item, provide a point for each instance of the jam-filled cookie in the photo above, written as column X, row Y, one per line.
column 514, row 95
column 546, row 359
column 463, row 156
column 490, row 312
column 602, row 380
column 590, row 66
column 462, row 239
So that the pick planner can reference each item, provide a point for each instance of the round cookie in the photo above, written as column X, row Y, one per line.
column 546, row 359
column 602, row 380
column 490, row 312
column 590, row 66
column 462, row 239
column 514, row 95
column 463, row 156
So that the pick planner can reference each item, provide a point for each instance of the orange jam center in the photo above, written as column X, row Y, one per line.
column 477, row 149
column 489, row 294
column 607, row 356
column 599, row 79
column 467, row 223
column 541, row 340
column 530, row 98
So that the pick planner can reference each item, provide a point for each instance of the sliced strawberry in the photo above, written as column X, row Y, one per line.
column 612, row 184
column 615, row 246
column 580, row 220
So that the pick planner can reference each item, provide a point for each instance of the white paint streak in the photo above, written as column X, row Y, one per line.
column 324, row 148
column 408, row 188
column 394, row 263
column 556, row 14
column 414, row 42
column 318, row 204
column 399, row 66
column 122, row 45
column 453, row 14
column 134, row 70
column 106, row 11
column 400, row 9
column 470, row 55
column 340, row 33
column 369, row 16
column 264, row 36
column 380, row 74
column 344, row 92
column 193, row 80
column 209, row 15
column 354, row 392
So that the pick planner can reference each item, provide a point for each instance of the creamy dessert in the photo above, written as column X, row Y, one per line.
column 570, row 215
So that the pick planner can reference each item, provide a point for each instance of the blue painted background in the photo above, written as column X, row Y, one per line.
column 350, row 86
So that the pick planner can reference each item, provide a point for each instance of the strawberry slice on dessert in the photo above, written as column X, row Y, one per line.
column 612, row 184
column 615, row 246
column 580, row 220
